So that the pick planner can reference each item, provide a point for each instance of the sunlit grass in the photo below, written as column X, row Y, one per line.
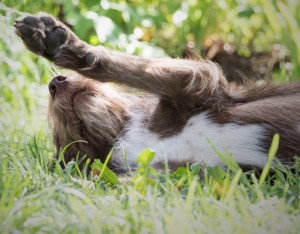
column 35, row 198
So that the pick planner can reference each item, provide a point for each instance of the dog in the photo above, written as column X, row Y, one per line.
column 189, row 108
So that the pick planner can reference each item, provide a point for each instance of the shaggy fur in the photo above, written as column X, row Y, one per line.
column 190, row 98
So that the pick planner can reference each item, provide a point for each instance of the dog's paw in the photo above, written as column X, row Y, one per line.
column 42, row 34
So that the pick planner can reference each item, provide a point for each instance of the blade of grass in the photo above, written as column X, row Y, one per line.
column 233, row 185
column 271, row 156
column 104, row 166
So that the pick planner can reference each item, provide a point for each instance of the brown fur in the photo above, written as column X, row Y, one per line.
column 81, row 110
column 183, row 87
column 277, row 107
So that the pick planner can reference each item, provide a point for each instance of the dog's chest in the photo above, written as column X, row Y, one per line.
column 195, row 143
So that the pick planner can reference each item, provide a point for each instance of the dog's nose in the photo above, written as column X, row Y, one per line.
column 57, row 84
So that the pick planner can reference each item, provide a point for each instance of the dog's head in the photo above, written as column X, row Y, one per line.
column 81, row 109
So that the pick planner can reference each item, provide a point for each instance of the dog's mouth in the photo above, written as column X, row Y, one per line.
column 71, row 105
column 65, row 94
column 68, row 124
column 62, row 88
column 74, row 106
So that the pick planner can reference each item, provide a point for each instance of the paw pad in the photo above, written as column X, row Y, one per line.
column 90, row 59
column 54, row 40
column 41, row 34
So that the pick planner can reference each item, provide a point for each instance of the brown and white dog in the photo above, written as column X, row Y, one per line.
column 191, row 104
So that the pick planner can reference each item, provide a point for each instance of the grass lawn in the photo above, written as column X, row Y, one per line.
column 35, row 199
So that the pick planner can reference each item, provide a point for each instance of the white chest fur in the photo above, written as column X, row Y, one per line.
column 192, row 144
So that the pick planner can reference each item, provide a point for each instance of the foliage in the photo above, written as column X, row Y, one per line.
column 284, row 19
column 37, row 198
column 156, row 28
column 23, row 95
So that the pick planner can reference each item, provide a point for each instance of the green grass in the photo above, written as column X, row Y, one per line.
column 35, row 199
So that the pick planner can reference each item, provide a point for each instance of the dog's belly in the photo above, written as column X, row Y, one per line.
column 195, row 143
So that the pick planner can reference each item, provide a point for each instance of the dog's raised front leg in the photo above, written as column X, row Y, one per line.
column 197, row 82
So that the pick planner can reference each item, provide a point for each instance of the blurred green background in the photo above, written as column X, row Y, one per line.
column 255, row 37
column 258, row 38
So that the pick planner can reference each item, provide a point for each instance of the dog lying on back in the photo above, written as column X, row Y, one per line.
column 191, row 107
